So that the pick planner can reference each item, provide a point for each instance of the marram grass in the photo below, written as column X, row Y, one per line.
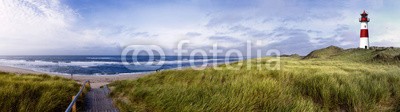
column 35, row 93
column 300, row 85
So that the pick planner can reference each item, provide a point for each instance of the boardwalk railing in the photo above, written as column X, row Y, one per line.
column 72, row 105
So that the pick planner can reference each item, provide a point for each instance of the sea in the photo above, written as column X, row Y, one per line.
column 109, row 65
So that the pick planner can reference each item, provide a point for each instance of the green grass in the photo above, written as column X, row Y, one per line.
column 300, row 85
column 35, row 93
column 375, row 54
column 325, row 53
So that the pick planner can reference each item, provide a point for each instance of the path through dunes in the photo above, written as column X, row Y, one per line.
column 97, row 100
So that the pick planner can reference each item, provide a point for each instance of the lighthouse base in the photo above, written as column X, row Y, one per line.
column 364, row 43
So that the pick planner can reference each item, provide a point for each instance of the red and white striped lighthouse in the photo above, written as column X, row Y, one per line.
column 364, row 38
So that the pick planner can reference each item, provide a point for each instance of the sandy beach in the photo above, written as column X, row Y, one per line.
column 95, row 81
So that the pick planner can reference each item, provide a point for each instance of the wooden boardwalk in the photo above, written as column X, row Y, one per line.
column 97, row 100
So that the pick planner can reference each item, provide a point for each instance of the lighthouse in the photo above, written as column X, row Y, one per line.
column 364, row 38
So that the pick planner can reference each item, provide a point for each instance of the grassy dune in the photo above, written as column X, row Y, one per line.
column 383, row 55
column 35, row 93
column 318, row 84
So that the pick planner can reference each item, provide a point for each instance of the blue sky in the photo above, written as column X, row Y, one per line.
column 82, row 27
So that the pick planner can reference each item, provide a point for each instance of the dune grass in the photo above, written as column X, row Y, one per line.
column 35, row 93
column 300, row 85
column 382, row 55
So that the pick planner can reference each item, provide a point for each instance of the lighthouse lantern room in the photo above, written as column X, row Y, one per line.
column 364, row 37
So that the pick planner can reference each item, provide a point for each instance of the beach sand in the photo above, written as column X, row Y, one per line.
column 95, row 81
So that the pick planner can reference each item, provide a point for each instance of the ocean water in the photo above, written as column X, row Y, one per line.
column 106, row 65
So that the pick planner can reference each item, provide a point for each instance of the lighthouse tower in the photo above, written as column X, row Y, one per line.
column 364, row 38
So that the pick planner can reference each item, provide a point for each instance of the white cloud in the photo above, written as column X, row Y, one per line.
column 29, row 26
column 43, row 27
column 52, row 27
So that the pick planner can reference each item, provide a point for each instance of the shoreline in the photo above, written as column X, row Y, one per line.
column 96, row 81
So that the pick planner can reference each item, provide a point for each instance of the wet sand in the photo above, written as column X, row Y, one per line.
column 96, row 81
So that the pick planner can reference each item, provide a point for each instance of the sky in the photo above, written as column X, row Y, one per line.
column 106, row 27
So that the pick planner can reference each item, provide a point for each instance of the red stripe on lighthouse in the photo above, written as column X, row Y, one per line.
column 364, row 33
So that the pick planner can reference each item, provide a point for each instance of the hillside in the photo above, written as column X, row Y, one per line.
column 35, row 93
column 330, row 79
column 374, row 54
column 325, row 53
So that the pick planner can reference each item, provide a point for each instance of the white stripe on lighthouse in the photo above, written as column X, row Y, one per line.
column 364, row 42
column 364, row 25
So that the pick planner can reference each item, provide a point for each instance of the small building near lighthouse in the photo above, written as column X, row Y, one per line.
column 364, row 37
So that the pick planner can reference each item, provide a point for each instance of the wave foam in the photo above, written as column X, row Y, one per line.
column 49, row 63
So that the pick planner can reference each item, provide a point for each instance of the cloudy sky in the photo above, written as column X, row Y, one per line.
column 105, row 27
